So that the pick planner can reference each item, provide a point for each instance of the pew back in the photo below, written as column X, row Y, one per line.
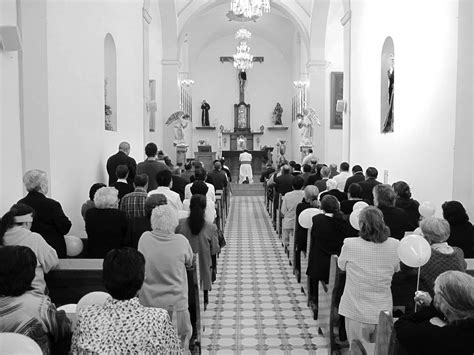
column 470, row 266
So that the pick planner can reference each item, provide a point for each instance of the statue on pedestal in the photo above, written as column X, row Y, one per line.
column 305, row 124
column 276, row 117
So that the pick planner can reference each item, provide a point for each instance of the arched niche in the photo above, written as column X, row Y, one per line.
column 110, row 83
column 387, row 86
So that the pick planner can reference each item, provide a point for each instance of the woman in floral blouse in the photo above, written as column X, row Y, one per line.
column 122, row 325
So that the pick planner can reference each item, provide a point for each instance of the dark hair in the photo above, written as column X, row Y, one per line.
column 151, row 149
column 140, row 180
column 454, row 212
column 344, row 166
column 372, row 225
column 355, row 190
column 199, row 188
column 307, row 168
column 123, row 272
column 121, row 171
column 197, row 208
column 402, row 189
column 384, row 194
column 188, row 166
column 94, row 189
column 217, row 165
column 163, row 177
column 168, row 161
column 297, row 167
column 330, row 204
column 310, row 150
column 371, row 172
column 356, row 168
column 297, row 183
column 154, row 200
column 17, row 270
column 200, row 174
column 8, row 219
column 292, row 163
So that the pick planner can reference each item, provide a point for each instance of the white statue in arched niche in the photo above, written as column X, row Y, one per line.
column 241, row 143
column 306, row 122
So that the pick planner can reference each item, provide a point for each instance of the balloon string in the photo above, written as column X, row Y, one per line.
column 417, row 283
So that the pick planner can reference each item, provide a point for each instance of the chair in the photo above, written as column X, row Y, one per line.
column 385, row 337
column 357, row 348
column 196, row 302
column 470, row 266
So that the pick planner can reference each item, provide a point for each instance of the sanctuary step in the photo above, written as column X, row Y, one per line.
column 255, row 189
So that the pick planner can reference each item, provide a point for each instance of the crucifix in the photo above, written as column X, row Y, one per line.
column 242, row 75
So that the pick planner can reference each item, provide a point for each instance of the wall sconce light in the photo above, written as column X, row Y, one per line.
column 187, row 82
column 299, row 84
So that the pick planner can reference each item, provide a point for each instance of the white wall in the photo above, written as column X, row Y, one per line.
column 78, row 141
column 334, row 56
column 267, row 83
column 420, row 151
column 10, row 137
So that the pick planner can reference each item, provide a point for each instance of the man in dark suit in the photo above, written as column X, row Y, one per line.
column 284, row 182
column 121, row 158
column 331, row 189
column 357, row 176
column 269, row 169
column 151, row 166
column 49, row 220
column 216, row 177
column 395, row 218
column 321, row 184
column 179, row 183
column 368, row 184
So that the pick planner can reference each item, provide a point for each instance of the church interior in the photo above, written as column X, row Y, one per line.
column 205, row 80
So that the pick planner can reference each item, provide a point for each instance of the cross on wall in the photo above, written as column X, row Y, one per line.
column 242, row 75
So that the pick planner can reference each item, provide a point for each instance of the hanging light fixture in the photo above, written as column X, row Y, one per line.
column 243, row 60
column 248, row 10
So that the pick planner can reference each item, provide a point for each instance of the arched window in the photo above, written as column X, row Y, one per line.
column 387, row 86
column 110, row 83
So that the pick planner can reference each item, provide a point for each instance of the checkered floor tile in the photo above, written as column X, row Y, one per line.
column 256, row 305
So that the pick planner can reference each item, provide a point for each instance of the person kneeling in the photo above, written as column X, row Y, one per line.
column 122, row 325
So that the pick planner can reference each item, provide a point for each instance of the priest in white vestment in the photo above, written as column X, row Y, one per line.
column 246, row 173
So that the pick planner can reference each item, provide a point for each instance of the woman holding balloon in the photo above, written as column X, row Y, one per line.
column 370, row 262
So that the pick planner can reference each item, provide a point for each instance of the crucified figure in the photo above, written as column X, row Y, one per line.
column 242, row 80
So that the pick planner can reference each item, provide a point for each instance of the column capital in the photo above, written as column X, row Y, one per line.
column 175, row 62
column 317, row 64
column 346, row 18
column 146, row 15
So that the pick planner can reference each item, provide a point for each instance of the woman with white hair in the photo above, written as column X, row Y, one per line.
column 445, row 324
column 50, row 221
column 106, row 225
column 167, row 254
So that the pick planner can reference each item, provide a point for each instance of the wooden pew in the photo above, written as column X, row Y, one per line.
column 304, row 265
column 279, row 217
column 196, row 304
column 337, row 281
column 470, row 266
column 73, row 279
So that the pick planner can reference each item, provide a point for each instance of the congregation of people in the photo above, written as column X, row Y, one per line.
column 146, row 224
column 376, row 279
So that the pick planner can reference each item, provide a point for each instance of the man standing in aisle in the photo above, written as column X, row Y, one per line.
column 246, row 173
column 151, row 166
column 121, row 158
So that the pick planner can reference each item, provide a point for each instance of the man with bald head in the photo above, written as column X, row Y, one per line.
column 121, row 158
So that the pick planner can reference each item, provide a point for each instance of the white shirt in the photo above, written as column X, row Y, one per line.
column 341, row 179
column 209, row 213
column 172, row 197
column 245, row 157
column 211, row 192
column 288, row 207
column 307, row 159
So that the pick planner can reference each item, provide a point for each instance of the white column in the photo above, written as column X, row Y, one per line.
column 346, row 125
column 170, row 87
column 316, row 100
column 146, row 74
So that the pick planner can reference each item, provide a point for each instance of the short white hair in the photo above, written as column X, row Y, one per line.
column 106, row 197
column 331, row 184
column 164, row 218
column 36, row 180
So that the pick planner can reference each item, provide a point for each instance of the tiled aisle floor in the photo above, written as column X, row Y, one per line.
column 256, row 306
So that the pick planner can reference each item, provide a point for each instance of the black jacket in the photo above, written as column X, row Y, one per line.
column 49, row 220
column 397, row 220
column 120, row 158
column 356, row 178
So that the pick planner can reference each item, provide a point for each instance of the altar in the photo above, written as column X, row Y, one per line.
column 259, row 158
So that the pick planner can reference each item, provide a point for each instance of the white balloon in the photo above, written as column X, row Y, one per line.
column 97, row 297
column 74, row 245
column 354, row 219
column 427, row 209
column 305, row 219
column 414, row 250
column 68, row 308
column 18, row 344
column 359, row 205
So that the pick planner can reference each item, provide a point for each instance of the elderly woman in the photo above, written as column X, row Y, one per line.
column 90, row 202
column 167, row 254
column 15, row 228
column 443, row 256
column 23, row 311
column 444, row 326
column 106, row 225
column 122, row 325
column 202, row 235
column 404, row 201
column 462, row 233
column 370, row 262
column 288, row 209
column 50, row 221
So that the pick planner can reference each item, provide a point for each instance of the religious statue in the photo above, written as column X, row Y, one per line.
column 305, row 124
column 242, row 117
column 242, row 80
column 241, row 143
column 388, row 124
column 205, row 113
column 276, row 117
column 180, row 124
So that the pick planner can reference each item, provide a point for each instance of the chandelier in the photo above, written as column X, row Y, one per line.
column 243, row 60
column 246, row 10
